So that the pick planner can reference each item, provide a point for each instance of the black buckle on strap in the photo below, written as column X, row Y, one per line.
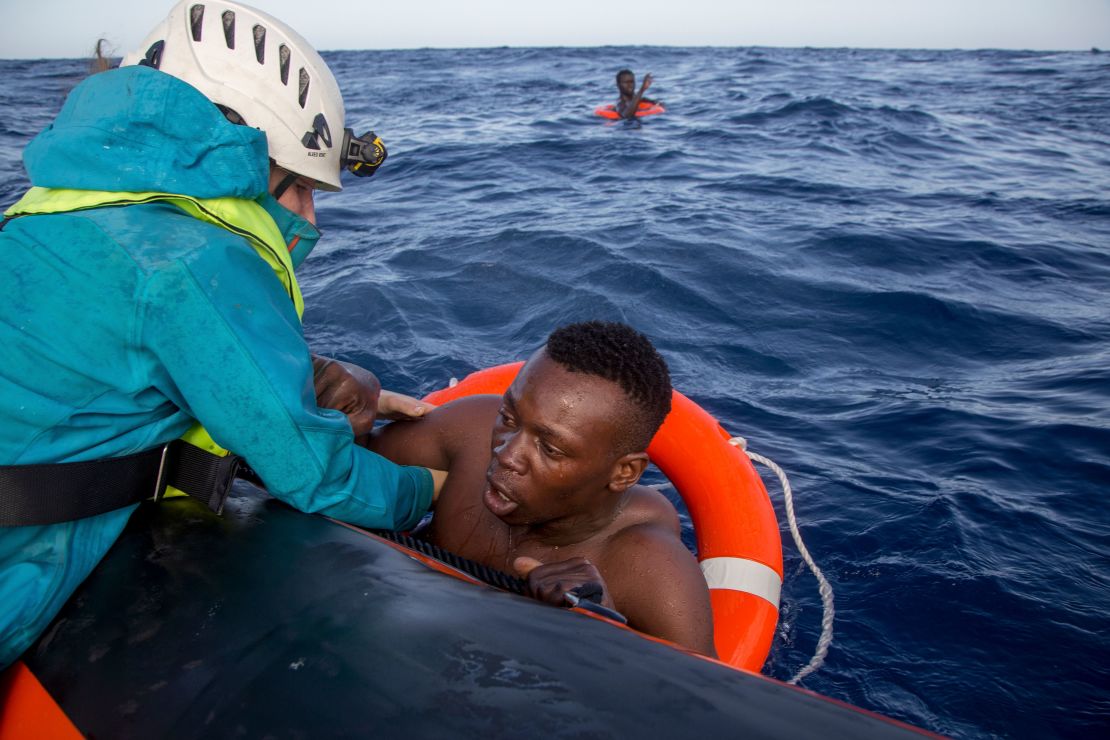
column 201, row 474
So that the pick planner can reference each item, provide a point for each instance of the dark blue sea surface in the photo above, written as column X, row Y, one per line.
column 889, row 270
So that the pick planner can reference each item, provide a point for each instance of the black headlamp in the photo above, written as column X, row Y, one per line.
column 363, row 155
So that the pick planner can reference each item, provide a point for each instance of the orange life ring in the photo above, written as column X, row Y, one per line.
column 643, row 109
column 739, row 548
column 27, row 710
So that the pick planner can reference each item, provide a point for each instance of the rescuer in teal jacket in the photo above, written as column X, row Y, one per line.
column 130, row 313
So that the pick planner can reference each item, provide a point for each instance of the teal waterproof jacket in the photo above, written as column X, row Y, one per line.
column 122, row 326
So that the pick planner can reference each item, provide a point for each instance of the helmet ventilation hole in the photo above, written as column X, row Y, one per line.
column 196, row 21
column 229, row 28
column 302, row 95
column 260, row 44
column 283, row 63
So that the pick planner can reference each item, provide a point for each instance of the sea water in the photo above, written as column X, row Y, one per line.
column 887, row 269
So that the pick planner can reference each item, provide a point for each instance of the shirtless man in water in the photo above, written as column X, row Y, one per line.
column 542, row 482
column 629, row 101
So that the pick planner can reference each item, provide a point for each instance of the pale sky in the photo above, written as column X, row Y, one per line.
column 69, row 28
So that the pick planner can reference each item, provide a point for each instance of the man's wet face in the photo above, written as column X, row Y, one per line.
column 553, row 444
column 626, row 83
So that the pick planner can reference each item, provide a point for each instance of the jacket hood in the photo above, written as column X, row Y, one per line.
column 136, row 129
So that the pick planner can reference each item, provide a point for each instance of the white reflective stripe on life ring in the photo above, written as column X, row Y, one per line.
column 739, row 574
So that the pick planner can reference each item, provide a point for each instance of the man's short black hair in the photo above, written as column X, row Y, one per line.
column 624, row 72
column 620, row 354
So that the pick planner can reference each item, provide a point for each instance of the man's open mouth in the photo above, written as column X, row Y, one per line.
column 497, row 498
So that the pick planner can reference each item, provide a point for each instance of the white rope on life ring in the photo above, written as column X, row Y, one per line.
column 824, row 588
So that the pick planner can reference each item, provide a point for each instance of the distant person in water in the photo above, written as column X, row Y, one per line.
column 543, row 481
column 630, row 99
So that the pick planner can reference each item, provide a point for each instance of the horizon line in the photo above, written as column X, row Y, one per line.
column 1090, row 50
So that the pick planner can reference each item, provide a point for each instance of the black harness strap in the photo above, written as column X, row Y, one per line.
column 61, row 492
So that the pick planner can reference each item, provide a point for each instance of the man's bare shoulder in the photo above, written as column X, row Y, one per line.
column 440, row 435
column 647, row 507
column 653, row 578
column 466, row 413
column 647, row 535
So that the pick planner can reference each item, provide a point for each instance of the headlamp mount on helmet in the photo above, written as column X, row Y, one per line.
column 362, row 155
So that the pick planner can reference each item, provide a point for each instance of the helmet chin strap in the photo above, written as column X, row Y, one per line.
column 282, row 186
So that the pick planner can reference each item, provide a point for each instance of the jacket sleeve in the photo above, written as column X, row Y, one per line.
column 221, row 326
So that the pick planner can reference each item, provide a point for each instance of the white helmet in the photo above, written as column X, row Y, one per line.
column 260, row 72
